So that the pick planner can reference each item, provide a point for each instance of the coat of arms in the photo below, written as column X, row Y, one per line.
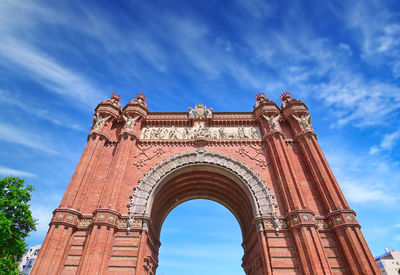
column 200, row 111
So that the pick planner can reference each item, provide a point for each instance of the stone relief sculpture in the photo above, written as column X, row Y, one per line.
column 273, row 122
column 200, row 111
column 98, row 121
column 129, row 121
column 304, row 121
column 200, row 131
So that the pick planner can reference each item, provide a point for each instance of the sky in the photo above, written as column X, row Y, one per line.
column 59, row 59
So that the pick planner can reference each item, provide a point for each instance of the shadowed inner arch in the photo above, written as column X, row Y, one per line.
column 202, row 182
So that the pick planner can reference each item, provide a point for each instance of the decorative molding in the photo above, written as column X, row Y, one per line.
column 200, row 131
column 262, row 163
column 140, row 205
column 144, row 156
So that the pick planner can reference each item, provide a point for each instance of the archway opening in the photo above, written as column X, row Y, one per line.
column 203, row 175
column 200, row 237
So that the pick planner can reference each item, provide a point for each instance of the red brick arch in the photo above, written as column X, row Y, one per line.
column 235, row 175
column 94, row 232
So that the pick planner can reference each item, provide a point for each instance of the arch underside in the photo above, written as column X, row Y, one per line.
column 201, row 174
column 201, row 184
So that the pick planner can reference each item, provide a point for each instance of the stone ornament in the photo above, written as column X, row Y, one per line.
column 304, row 121
column 258, row 156
column 305, row 218
column 349, row 218
column 144, row 156
column 121, row 223
column 70, row 218
column 200, row 111
column 99, row 121
column 295, row 219
column 338, row 219
column 200, row 131
column 115, row 99
column 101, row 217
column 129, row 122
column 323, row 224
column 273, row 122
column 262, row 199
column 111, row 218
column 60, row 216
column 84, row 222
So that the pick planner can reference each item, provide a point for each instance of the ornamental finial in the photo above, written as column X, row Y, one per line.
column 260, row 96
column 141, row 96
column 116, row 97
column 286, row 96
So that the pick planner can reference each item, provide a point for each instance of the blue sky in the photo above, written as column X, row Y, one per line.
column 342, row 58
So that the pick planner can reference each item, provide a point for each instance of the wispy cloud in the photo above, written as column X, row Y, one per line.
column 380, row 185
column 11, row 134
column 11, row 99
column 388, row 141
column 5, row 171
column 43, row 69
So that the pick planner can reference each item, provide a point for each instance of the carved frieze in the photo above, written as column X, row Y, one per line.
column 200, row 131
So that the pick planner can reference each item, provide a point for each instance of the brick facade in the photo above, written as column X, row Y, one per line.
column 265, row 166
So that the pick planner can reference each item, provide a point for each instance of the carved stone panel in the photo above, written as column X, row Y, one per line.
column 200, row 131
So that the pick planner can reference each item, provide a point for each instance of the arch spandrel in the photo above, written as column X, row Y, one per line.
column 262, row 200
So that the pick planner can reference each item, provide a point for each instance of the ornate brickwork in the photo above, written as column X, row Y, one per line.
column 265, row 166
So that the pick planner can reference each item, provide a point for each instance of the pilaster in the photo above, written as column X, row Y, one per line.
column 132, row 117
column 296, row 113
column 268, row 115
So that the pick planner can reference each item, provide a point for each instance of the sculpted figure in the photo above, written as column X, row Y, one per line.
column 173, row 133
column 254, row 133
column 165, row 133
column 273, row 122
column 240, row 132
column 221, row 132
column 304, row 121
column 231, row 135
column 98, row 121
column 129, row 121
column 146, row 133
column 155, row 133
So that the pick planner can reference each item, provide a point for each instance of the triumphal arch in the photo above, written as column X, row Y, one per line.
column 265, row 166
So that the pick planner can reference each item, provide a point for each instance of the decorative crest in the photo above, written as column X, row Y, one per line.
column 286, row 96
column 200, row 111
column 115, row 96
column 260, row 96
column 141, row 96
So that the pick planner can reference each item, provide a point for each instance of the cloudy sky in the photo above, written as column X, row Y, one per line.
column 342, row 58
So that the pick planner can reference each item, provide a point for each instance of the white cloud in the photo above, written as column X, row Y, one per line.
column 388, row 141
column 24, row 137
column 12, row 99
column 49, row 73
column 365, row 180
column 358, row 192
column 5, row 171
